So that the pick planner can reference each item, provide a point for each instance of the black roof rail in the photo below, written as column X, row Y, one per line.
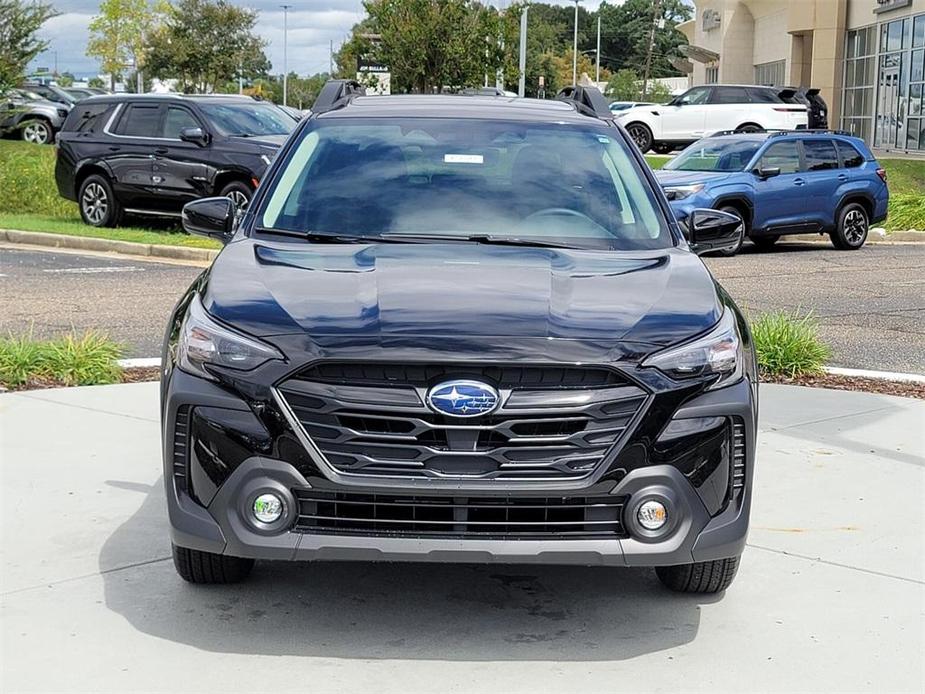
column 587, row 100
column 811, row 131
column 337, row 94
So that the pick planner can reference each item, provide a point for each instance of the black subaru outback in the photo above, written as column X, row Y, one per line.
column 459, row 329
column 149, row 154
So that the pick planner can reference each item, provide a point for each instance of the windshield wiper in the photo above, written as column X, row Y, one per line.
column 480, row 238
column 328, row 237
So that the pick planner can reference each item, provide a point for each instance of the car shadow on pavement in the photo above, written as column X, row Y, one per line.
column 393, row 610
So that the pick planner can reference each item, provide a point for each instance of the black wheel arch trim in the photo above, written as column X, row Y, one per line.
column 855, row 196
column 729, row 199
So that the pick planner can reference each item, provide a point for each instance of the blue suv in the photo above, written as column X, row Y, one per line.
column 790, row 182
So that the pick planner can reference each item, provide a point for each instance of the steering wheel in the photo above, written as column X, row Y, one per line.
column 558, row 212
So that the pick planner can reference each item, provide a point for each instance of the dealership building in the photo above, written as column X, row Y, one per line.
column 867, row 58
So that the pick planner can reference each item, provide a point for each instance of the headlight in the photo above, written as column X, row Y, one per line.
column 719, row 353
column 681, row 192
column 204, row 342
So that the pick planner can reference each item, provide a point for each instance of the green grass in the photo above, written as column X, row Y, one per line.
column 656, row 161
column 69, row 360
column 788, row 344
column 75, row 227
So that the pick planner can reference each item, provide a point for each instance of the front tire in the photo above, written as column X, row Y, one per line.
column 641, row 135
column 97, row 203
column 728, row 253
column 38, row 132
column 207, row 568
column 699, row 577
column 851, row 227
column 239, row 193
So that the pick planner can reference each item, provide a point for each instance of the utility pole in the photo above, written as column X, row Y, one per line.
column 656, row 11
column 597, row 70
column 331, row 59
column 575, row 48
column 286, row 9
column 522, row 84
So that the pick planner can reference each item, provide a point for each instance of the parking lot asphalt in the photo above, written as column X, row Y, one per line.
column 830, row 596
column 870, row 303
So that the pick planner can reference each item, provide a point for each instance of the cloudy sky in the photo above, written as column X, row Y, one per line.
column 313, row 24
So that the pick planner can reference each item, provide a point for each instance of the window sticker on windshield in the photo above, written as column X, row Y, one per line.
column 463, row 159
column 603, row 140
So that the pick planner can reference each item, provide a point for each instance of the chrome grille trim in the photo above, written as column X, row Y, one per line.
column 376, row 434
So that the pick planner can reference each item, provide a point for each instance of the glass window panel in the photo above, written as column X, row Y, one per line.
column 883, row 34
column 894, row 39
column 918, row 31
column 907, row 31
column 915, row 99
column 912, row 133
column 850, row 68
column 782, row 155
column 866, row 41
column 922, row 139
column 820, row 155
column 866, row 76
column 918, row 66
column 851, row 44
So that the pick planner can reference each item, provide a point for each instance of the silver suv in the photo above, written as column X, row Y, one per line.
column 35, row 119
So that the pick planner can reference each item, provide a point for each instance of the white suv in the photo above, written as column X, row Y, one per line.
column 703, row 110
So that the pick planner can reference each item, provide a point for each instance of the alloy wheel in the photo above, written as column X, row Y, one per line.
column 35, row 132
column 95, row 203
column 855, row 227
column 239, row 199
column 639, row 136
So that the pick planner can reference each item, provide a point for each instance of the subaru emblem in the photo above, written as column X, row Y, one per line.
column 463, row 398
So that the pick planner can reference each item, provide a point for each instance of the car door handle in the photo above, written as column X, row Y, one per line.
column 161, row 150
column 114, row 148
column 798, row 181
column 842, row 177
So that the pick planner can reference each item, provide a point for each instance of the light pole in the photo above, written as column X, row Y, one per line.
column 597, row 71
column 286, row 9
column 575, row 48
column 522, row 84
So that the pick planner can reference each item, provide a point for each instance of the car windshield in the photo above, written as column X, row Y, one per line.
column 248, row 118
column 715, row 155
column 552, row 184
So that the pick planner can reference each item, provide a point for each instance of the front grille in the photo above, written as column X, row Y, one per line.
column 738, row 455
column 550, row 425
column 347, row 513
column 181, row 448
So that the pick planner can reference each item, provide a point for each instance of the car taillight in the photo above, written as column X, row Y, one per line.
column 882, row 174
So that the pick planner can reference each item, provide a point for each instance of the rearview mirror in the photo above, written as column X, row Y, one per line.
column 767, row 171
column 195, row 135
column 712, row 230
column 212, row 217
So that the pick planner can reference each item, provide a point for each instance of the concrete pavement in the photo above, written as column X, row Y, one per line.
column 830, row 597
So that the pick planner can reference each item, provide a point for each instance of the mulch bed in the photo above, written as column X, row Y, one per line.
column 868, row 385
column 138, row 375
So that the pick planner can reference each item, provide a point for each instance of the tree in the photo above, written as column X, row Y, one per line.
column 19, row 23
column 429, row 44
column 118, row 34
column 65, row 79
column 96, row 83
column 626, row 85
column 205, row 43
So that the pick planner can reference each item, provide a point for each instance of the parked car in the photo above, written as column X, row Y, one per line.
column 51, row 92
column 30, row 117
column 817, row 109
column 710, row 108
column 618, row 106
column 80, row 93
column 782, row 183
column 428, row 339
column 152, row 153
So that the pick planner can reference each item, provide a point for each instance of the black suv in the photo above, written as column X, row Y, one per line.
column 459, row 329
column 151, row 154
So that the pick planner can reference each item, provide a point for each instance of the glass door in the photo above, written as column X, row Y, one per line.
column 888, row 112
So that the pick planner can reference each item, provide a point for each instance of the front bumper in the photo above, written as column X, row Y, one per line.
column 215, row 518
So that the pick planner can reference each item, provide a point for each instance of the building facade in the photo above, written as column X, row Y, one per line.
column 867, row 58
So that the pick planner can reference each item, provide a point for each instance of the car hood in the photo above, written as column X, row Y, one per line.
column 262, row 141
column 682, row 178
column 462, row 298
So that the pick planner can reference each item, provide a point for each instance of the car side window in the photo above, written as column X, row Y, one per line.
column 762, row 96
column 820, row 155
column 140, row 120
column 86, row 118
column 782, row 155
column 729, row 95
column 849, row 155
column 694, row 96
column 178, row 119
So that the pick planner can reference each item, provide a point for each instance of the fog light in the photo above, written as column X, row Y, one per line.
column 652, row 515
column 268, row 508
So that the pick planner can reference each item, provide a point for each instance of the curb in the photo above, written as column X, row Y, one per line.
column 895, row 237
column 143, row 363
column 875, row 375
column 89, row 243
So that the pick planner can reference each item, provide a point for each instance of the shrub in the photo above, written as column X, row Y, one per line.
column 70, row 360
column 788, row 344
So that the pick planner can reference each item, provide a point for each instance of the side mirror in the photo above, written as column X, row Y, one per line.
column 212, row 217
column 195, row 135
column 767, row 172
column 712, row 230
